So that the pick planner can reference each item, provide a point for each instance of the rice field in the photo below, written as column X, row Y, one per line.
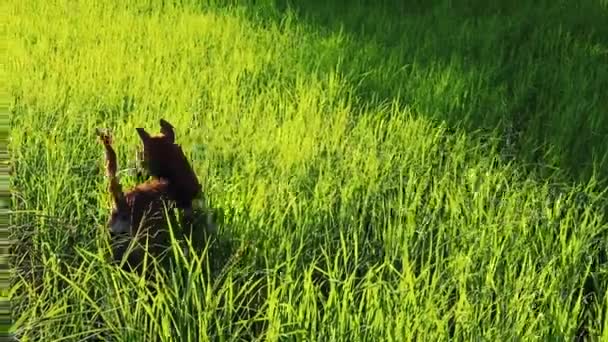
column 378, row 170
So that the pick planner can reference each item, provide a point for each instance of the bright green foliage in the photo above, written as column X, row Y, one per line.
column 386, row 171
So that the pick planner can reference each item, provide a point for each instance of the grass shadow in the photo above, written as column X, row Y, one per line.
column 533, row 71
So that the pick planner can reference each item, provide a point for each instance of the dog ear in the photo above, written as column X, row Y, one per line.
column 145, row 136
column 167, row 130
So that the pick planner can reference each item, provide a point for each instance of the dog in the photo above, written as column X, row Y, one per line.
column 164, row 159
column 141, row 213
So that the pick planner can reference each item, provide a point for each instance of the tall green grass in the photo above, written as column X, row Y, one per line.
column 366, row 187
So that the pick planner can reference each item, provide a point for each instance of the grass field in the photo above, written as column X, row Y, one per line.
column 388, row 170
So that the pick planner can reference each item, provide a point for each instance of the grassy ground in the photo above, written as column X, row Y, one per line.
column 395, row 171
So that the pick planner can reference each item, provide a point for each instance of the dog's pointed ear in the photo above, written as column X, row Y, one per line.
column 143, row 134
column 167, row 130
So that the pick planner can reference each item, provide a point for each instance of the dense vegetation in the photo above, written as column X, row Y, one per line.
column 381, row 170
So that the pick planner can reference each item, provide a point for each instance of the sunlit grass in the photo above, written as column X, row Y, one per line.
column 351, row 207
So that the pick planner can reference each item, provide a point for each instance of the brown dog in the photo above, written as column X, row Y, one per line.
column 139, row 212
column 164, row 159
